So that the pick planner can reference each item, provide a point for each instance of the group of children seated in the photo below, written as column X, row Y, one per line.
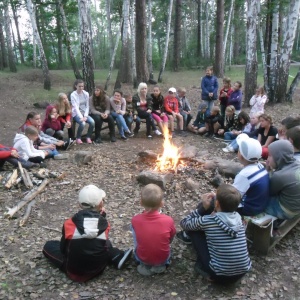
column 215, row 227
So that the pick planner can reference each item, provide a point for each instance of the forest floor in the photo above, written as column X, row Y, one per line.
column 26, row 274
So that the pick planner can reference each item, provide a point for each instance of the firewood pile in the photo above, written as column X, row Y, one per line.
column 34, row 182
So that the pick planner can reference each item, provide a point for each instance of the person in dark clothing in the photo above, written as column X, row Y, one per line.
column 84, row 250
column 209, row 88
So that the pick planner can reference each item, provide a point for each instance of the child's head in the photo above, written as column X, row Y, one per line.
column 51, row 112
column 293, row 135
column 118, row 94
column 249, row 149
column 91, row 197
column 98, row 91
column 172, row 91
column 156, row 91
column 215, row 110
column 260, row 90
column 142, row 88
column 288, row 123
column 128, row 98
column 237, row 85
column 202, row 107
column 226, row 82
column 34, row 119
column 209, row 71
column 227, row 198
column 79, row 85
column 151, row 197
column 254, row 120
column 32, row 133
column 63, row 104
column 243, row 118
column 181, row 92
column 265, row 120
column 229, row 111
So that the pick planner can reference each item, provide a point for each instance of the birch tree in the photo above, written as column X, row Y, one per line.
column 251, row 55
column 133, row 57
column 11, row 57
column 142, row 72
column 86, row 51
column 219, row 53
column 177, row 35
column 228, row 26
column 44, row 63
column 109, row 33
column 288, row 37
column 149, row 52
column 164, row 59
column 68, row 41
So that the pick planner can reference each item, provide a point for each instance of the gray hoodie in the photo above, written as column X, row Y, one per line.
column 285, row 181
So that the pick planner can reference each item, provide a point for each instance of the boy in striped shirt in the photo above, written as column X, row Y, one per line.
column 219, row 237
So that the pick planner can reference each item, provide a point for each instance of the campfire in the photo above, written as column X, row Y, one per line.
column 170, row 158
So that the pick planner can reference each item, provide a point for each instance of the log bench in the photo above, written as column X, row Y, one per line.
column 262, row 234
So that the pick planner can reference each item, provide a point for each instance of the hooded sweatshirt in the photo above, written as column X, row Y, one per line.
column 25, row 148
column 285, row 181
column 84, row 245
column 53, row 123
column 226, row 241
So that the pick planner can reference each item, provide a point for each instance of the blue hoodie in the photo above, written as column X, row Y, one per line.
column 209, row 84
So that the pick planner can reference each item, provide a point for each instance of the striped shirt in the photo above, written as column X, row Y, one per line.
column 226, row 243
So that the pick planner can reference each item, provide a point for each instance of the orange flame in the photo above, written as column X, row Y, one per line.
column 170, row 157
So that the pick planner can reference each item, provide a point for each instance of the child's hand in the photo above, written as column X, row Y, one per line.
column 206, row 199
column 148, row 111
column 14, row 153
column 59, row 143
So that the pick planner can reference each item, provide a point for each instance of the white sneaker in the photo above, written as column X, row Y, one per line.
column 149, row 136
column 157, row 132
column 61, row 156
column 228, row 149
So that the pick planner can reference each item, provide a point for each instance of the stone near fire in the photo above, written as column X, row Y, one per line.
column 226, row 167
column 146, row 177
column 188, row 152
column 192, row 185
column 147, row 154
column 82, row 157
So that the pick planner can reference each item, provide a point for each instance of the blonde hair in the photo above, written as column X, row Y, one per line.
column 151, row 196
column 182, row 89
column 230, row 108
column 141, row 86
column 62, row 107
column 31, row 130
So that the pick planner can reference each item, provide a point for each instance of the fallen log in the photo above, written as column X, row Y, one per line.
column 24, row 177
column 11, row 181
column 27, row 198
column 27, row 213
column 28, row 179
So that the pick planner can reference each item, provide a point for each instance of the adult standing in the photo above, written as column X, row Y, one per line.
column 209, row 87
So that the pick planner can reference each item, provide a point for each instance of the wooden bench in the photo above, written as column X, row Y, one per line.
column 262, row 235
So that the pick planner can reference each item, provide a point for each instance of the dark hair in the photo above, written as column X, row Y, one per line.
column 76, row 82
column 229, row 197
column 294, row 134
column 239, row 83
column 210, row 68
column 267, row 118
column 118, row 91
column 290, row 122
column 245, row 116
column 227, row 80
column 31, row 115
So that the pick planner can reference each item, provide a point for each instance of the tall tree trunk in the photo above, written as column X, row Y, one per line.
column 2, row 42
column 163, row 64
column 219, row 54
column 268, row 36
column 177, row 35
column 68, row 41
column 14, row 43
column 227, row 28
column 251, row 55
column 44, row 63
column 292, row 89
column 59, row 36
column 88, row 10
column 109, row 33
column 11, row 57
column 207, row 33
column 86, row 51
column 142, row 72
column 133, row 58
column 288, row 37
column 20, row 46
column 34, row 50
column 199, row 26
column 149, row 53
column 125, row 64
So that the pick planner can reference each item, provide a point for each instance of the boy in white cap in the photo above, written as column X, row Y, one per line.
column 84, row 250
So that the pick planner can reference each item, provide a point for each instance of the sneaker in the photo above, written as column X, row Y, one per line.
column 149, row 136
column 126, row 256
column 33, row 166
column 61, row 156
column 98, row 140
column 145, row 270
column 113, row 139
column 43, row 164
column 123, row 137
column 79, row 141
column 207, row 134
column 89, row 141
column 157, row 132
column 182, row 133
column 129, row 134
column 182, row 236
column 228, row 149
column 135, row 131
column 69, row 144
column 158, row 269
column 198, row 270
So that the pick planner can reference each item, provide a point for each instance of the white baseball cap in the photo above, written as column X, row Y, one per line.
column 249, row 148
column 91, row 196
column 172, row 89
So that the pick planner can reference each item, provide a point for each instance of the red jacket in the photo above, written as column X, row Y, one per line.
column 53, row 123
column 63, row 119
column 171, row 104
column 224, row 100
column 5, row 152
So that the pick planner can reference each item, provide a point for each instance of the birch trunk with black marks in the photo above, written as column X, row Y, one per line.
column 149, row 53
column 219, row 53
column 228, row 28
column 177, row 35
column 109, row 33
column 133, row 52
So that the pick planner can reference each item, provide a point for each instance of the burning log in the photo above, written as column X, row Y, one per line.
column 27, row 213
column 27, row 198
column 13, row 178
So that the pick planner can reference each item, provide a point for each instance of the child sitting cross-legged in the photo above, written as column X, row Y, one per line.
column 84, row 250
column 152, row 233
column 218, row 236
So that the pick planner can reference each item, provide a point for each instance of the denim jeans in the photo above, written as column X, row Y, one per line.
column 120, row 122
column 51, row 153
column 186, row 119
column 149, row 121
column 129, row 120
column 228, row 136
column 209, row 103
column 91, row 123
column 274, row 209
